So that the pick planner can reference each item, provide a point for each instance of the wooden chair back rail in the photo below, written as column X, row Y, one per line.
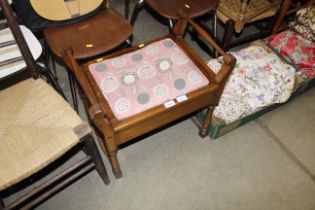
column 29, row 60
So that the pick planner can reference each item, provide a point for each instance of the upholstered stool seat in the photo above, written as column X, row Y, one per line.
column 150, row 76
column 36, row 127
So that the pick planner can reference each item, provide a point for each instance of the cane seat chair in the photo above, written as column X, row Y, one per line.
column 38, row 128
column 141, row 89
column 168, row 9
column 235, row 14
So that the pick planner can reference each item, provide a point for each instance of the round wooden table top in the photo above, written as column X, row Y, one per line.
column 193, row 8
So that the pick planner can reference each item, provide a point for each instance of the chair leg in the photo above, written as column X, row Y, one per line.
column 1, row 204
column 73, row 91
column 204, row 130
column 51, row 79
column 91, row 149
column 228, row 34
column 127, row 3
column 136, row 11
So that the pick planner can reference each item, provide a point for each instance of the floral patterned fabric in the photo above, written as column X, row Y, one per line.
column 296, row 50
column 259, row 79
column 305, row 22
column 147, row 77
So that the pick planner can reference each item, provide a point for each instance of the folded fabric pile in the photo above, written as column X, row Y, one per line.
column 297, row 44
column 259, row 79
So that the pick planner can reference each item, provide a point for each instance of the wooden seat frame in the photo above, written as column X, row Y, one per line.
column 91, row 161
column 115, row 133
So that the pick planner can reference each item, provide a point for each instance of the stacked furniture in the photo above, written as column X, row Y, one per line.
column 267, row 74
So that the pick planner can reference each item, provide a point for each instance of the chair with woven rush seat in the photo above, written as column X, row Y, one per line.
column 138, row 90
column 235, row 14
column 90, row 37
column 168, row 9
column 38, row 129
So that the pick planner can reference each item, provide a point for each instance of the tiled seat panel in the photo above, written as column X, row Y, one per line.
column 145, row 78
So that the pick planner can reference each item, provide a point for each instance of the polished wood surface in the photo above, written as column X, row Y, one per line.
column 192, row 8
column 90, row 37
column 117, row 132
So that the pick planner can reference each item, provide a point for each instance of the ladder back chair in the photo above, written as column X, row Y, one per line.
column 38, row 129
column 11, row 59
column 138, row 90
column 90, row 37
column 235, row 14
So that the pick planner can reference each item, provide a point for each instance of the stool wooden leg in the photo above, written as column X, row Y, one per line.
column 90, row 149
column 136, row 11
column 204, row 130
column 112, row 149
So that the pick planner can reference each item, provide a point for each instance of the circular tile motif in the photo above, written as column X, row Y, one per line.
column 118, row 62
column 160, row 90
column 136, row 57
column 168, row 44
column 109, row 84
column 143, row 98
column 179, row 84
column 122, row 105
column 164, row 64
column 101, row 67
column 179, row 58
column 146, row 72
column 129, row 78
column 194, row 77
column 152, row 50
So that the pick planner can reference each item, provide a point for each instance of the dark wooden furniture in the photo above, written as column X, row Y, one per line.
column 33, row 139
column 116, row 132
column 93, row 36
column 235, row 14
column 169, row 9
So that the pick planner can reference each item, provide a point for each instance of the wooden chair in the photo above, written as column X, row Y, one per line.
column 90, row 37
column 155, row 84
column 38, row 129
column 235, row 14
column 168, row 9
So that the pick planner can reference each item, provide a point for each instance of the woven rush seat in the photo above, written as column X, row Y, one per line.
column 36, row 127
column 135, row 82
column 230, row 9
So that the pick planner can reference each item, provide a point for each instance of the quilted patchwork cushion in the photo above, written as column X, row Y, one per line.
column 145, row 78
column 296, row 50
column 259, row 79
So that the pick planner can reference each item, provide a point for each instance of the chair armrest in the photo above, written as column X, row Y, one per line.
column 229, row 60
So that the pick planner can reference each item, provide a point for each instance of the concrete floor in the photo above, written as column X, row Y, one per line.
column 267, row 164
